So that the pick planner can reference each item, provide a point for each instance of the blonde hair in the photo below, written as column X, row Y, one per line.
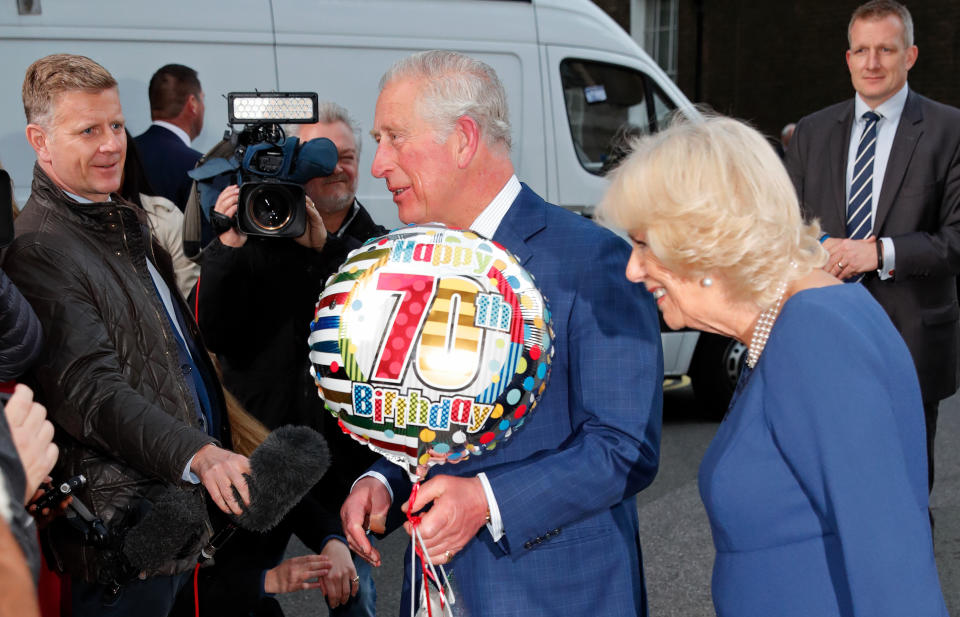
column 53, row 75
column 713, row 197
column 881, row 9
column 246, row 432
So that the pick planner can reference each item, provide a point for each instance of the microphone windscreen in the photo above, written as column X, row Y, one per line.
column 317, row 158
column 282, row 469
column 170, row 530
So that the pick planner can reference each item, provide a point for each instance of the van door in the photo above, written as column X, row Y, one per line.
column 599, row 100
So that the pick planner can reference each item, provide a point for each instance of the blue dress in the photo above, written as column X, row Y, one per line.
column 816, row 482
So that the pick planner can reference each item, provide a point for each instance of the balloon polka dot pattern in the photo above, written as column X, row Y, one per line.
column 431, row 339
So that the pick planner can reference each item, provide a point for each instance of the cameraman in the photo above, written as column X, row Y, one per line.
column 255, row 300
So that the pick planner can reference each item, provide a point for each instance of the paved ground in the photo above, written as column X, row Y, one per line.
column 678, row 551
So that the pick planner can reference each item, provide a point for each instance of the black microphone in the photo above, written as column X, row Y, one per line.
column 171, row 529
column 282, row 469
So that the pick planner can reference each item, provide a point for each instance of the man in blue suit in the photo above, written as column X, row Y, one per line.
column 176, row 108
column 546, row 525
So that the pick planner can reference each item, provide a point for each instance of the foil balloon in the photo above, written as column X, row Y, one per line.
column 428, row 340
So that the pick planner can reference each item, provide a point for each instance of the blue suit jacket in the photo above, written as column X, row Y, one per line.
column 166, row 159
column 565, row 484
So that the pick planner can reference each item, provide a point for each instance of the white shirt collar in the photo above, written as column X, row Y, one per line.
column 889, row 109
column 176, row 130
column 488, row 221
column 77, row 198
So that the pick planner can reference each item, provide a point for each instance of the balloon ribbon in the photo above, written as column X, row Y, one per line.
column 427, row 568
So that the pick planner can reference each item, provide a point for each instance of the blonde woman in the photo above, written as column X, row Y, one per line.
column 816, row 482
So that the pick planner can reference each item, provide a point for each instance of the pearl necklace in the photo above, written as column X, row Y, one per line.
column 761, row 331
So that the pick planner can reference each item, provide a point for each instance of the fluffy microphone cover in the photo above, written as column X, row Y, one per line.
column 170, row 530
column 283, row 468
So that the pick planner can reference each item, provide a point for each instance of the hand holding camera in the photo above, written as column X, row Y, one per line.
column 33, row 437
column 224, row 222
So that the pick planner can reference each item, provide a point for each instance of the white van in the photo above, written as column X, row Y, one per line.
column 573, row 77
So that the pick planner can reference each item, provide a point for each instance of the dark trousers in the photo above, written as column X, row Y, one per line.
column 152, row 597
column 930, row 413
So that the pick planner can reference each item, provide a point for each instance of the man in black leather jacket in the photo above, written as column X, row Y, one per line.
column 123, row 371
column 256, row 299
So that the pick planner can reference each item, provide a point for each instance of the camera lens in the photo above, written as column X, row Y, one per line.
column 270, row 207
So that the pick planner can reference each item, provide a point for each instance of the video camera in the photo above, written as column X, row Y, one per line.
column 271, row 167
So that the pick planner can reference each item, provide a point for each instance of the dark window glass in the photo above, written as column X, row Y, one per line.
column 607, row 104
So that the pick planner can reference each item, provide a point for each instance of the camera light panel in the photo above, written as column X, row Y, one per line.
column 275, row 108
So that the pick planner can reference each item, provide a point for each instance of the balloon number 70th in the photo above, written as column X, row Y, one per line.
column 448, row 354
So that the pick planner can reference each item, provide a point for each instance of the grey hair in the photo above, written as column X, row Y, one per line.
column 455, row 86
column 879, row 9
column 329, row 112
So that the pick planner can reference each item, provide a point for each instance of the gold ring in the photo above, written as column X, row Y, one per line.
column 448, row 555
column 840, row 265
column 355, row 579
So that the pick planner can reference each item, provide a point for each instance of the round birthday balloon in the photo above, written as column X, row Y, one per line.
column 431, row 339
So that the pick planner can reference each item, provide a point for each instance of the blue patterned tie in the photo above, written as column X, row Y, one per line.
column 859, row 218
column 860, row 205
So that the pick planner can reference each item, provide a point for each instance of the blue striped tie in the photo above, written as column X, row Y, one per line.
column 860, row 205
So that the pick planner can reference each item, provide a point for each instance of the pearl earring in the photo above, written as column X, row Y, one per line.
column 706, row 281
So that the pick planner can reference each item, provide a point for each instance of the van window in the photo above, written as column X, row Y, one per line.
column 606, row 105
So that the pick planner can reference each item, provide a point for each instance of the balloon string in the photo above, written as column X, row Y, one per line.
column 427, row 569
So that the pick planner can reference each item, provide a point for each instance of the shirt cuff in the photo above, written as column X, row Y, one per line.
column 495, row 526
column 333, row 536
column 263, row 586
column 378, row 476
column 189, row 476
column 889, row 259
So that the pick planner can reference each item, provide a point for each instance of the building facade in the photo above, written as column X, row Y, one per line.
column 773, row 62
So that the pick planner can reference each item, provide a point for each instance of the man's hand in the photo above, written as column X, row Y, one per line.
column 297, row 574
column 220, row 470
column 315, row 235
column 341, row 582
column 365, row 508
column 32, row 436
column 227, row 203
column 459, row 511
column 850, row 257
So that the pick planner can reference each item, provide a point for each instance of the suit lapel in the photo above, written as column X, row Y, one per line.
column 904, row 144
column 526, row 217
column 839, row 152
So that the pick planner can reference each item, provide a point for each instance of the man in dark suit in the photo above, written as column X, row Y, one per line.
column 882, row 173
column 547, row 524
column 176, row 108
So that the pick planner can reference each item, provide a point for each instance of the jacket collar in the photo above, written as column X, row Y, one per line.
column 905, row 142
column 525, row 219
column 45, row 192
